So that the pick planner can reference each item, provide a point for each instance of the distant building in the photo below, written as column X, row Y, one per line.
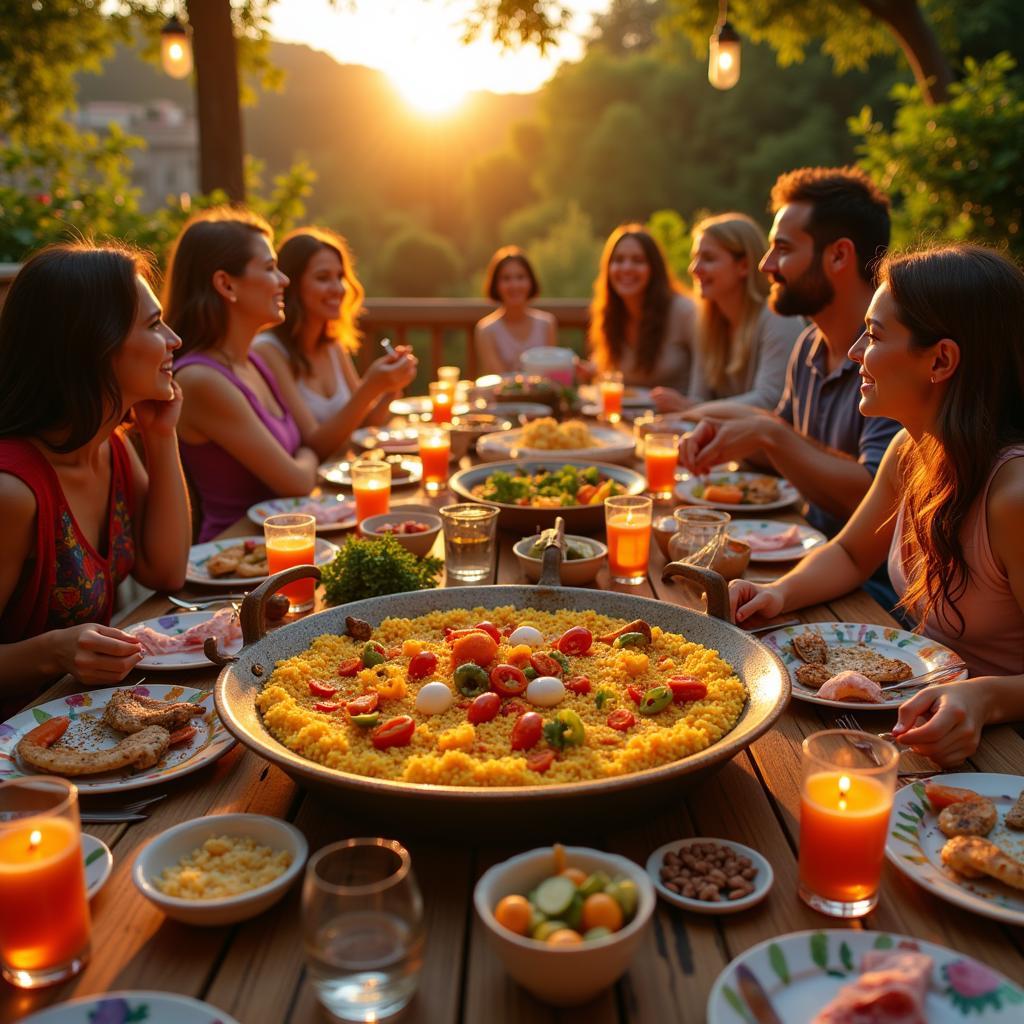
column 169, row 165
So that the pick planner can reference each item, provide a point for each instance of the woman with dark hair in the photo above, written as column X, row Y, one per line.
column 239, row 441
column 943, row 353
column 310, row 351
column 641, row 320
column 503, row 336
column 82, row 347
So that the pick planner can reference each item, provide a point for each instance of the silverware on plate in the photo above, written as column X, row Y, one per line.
column 200, row 604
column 942, row 674
column 774, row 626
column 754, row 995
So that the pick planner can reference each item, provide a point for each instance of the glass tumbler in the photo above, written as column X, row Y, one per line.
column 362, row 928
column 661, row 456
column 291, row 541
column 700, row 534
column 371, row 487
column 627, row 520
column 470, row 543
column 611, row 388
column 44, row 913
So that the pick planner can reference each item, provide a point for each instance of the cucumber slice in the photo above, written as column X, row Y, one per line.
column 554, row 895
column 594, row 883
column 574, row 915
column 546, row 928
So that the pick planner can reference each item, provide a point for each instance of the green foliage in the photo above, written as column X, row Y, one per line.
column 566, row 258
column 518, row 22
column 676, row 238
column 375, row 566
column 953, row 168
column 416, row 261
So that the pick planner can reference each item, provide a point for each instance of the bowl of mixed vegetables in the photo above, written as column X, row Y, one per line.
column 531, row 492
column 583, row 558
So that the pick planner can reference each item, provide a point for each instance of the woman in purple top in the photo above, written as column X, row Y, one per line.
column 239, row 443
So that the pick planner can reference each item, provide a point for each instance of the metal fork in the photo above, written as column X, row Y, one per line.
column 942, row 674
column 126, row 812
column 850, row 723
column 206, row 602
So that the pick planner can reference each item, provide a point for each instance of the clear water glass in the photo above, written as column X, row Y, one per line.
column 470, row 543
column 700, row 534
column 362, row 928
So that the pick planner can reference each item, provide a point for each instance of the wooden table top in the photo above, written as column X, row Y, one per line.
column 255, row 971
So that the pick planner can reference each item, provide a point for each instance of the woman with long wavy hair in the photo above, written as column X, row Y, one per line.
column 310, row 351
column 641, row 319
column 943, row 353
column 743, row 347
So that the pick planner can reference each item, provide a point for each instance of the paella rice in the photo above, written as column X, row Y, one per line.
column 306, row 703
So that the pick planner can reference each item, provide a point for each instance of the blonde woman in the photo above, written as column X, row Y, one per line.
column 742, row 347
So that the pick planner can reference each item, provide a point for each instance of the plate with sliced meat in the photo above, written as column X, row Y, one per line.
column 846, row 664
column 176, row 641
column 838, row 975
column 331, row 511
column 116, row 739
column 771, row 541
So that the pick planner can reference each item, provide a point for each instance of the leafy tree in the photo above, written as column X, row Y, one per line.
column 418, row 262
column 676, row 238
column 499, row 182
column 628, row 26
column 566, row 258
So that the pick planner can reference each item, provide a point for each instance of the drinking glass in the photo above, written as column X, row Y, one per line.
column 362, row 928
column 610, row 388
column 661, row 456
column 371, row 487
column 291, row 540
column 44, row 913
column 627, row 520
column 435, row 453
column 442, row 398
column 700, row 534
column 848, row 783
column 449, row 375
column 469, row 543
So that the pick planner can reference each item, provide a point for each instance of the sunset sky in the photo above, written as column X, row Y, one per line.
column 416, row 42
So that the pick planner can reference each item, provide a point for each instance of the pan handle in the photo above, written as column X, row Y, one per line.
column 711, row 583
column 552, row 556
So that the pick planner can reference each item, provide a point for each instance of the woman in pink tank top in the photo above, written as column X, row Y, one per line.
column 943, row 353
column 239, row 442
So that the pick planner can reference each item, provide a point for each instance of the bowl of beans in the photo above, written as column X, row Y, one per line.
column 414, row 528
column 710, row 876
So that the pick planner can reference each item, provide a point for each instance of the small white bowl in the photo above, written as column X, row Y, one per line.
column 575, row 572
column 762, row 880
column 418, row 543
column 168, row 848
column 562, row 975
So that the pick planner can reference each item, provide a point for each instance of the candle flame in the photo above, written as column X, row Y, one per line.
column 34, row 839
column 844, row 785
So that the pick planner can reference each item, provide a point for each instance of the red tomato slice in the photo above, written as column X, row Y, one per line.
column 508, row 680
column 186, row 732
column 578, row 684
column 484, row 708
column 512, row 707
column 491, row 630
column 422, row 664
column 363, row 705
column 327, row 706
column 321, row 689
column 577, row 640
column 622, row 719
column 635, row 694
column 350, row 667
column 940, row 796
column 546, row 665
column 687, row 688
column 540, row 761
column 527, row 731
column 396, row 732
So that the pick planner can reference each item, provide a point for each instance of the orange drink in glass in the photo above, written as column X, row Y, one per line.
column 442, row 398
column 435, row 453
column 845, row 803
column 661, row 454
column 291, row 541
column 610, row 388
column 628, row 525
column 371, row 487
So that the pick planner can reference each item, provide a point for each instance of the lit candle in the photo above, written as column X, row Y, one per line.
column 442, row 396
column 628, row 526
column 371, row 487
column 435, row 453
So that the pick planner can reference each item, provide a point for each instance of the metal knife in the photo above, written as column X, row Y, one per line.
column 756, row 998
column 108, row 817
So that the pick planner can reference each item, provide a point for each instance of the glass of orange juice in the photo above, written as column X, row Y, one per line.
column 435, row 453
column 442, row 398
column 291, row 540
column 627, row 520
column 371, row 487
column 661, row 454
column 610, row 387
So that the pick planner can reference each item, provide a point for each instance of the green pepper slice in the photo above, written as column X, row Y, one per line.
column 565, row 731
column 631, row 640
column 654, row 700
column 604, row 697
column 471, row 680
column 561, row 659
column 373, row 654
column 530, row 672
column 365, row 721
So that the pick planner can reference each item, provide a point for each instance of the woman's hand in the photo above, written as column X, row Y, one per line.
column 670, row 400
column 96, row 654
column 156, row 418
column 944, row 722
column 393, row 372
column 747, row 599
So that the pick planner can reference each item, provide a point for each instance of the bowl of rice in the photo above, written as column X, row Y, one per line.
column 221, row 869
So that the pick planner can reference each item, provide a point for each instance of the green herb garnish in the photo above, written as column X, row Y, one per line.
column 375, row 566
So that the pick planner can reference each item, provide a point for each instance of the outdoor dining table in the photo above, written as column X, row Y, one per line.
column 255, row 971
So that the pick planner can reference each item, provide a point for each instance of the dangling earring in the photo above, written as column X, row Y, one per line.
column 932, row 379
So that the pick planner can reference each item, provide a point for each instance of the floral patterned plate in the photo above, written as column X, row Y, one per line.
column 920, row 653
column 200, row 554
column 915, row 846
column 129, row 1007
column 802, row 971
column 98, row 862
column 278, row 506
column 86, row 732
column 174, row 625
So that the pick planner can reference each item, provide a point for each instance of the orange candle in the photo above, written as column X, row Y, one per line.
column 442, row 397
column 435, row 452
column 286, row 552
column 44, row 914
column 844, row 819
column 629, row 546
column 611, row 398
column 661, row 454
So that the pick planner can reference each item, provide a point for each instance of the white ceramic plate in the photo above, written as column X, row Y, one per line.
column 788, row 494
column 211, row 741
column 199, row 555
column 522, row 411
column 279, row 506
column 339, row 473
column 762, row 880
column 915, row 845
column 742, row 529
column 421, row 407
column 98, row 863
column 803, row 971
column 118, row 1007
column 632, row 396
column 174, row 625
column 920, row 653
column 401, row 440
column 609, row 446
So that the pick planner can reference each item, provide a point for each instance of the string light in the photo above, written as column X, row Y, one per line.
column 724, row 52
column 175, row 49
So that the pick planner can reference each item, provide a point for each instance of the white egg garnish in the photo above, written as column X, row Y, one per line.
column 434, row 699
column 526, row 635
column 545, row 691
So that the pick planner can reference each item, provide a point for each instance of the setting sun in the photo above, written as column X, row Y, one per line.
column 437, row 91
